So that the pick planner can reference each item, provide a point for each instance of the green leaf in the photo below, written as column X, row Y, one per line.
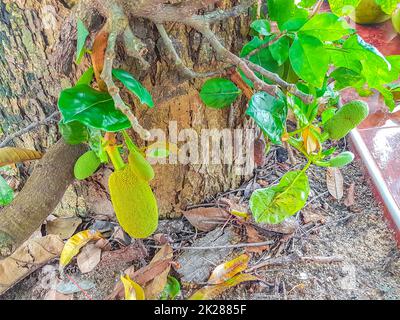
column 294, row 24
column 92, row 108
column 86, row 77
column 343, row 7
column 82, row 34
column 339, row 161
column 283, row 10
column 280, row 50
column 309, row 59
column 261, row 26
column 6, row 193
column 172, row 289
column 96, row 144
column 219, row 93
column 134, row 86
column 388, row 97
column 274, row 204
column 327, row 114
column 307, row 3
column 269, row 113
column 326, row 27
column 388, row 6
column 73, row 132
column 347, row 78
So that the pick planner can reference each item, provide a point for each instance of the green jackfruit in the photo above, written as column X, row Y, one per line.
column 368, row 12
column 140, row 165
column 396, row 20
column 347, row 118
column 86, row 165
column 134, row 203
column 339, row 161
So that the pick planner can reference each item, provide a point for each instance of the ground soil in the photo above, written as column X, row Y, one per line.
column 371, row 260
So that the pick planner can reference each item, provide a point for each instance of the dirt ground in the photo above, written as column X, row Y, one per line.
column 370, row 266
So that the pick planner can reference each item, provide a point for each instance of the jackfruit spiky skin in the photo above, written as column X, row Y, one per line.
column 141, row 166
column 342, row 159
column 134, row 203
column 347, row 118
column 86, row 165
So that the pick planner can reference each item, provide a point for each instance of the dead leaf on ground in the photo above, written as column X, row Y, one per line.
column 227, row 270
column 133, row 291
column 154, row 287
column 206, row 219
column 253, row 237
column 350, row 200
column 63, row 227
column 312, row 216
column 143, row 275
column 88, row 258
column 31, row 255
column 210, row 292
column 334, row 182
column 287, row 226
column 127, row 254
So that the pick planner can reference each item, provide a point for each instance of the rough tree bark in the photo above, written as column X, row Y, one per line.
column 29, row 87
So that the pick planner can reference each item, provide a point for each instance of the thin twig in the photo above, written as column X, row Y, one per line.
column 232, row 246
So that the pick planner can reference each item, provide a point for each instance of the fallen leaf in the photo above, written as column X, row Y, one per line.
column 75, row 243
column 252, row 237
column 171, row 290
column 287, row 226
column 27, row 258
column 210, row 292
column 334, row 182
column 312, row 216
column 227, row 270
column 63, row 227
column 69, row 287
column 123, row 255
column 154, row 287
column 206, row 219
column 88, row 258
column 11, row 155
column 350, row 201
column 133, row 291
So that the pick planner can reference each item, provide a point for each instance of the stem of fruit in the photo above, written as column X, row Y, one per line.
column 129, row 143
column 113, row 152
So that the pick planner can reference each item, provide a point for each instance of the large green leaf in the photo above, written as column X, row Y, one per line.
column 92, row 108
column 261, row 26
column 388, row 6
column 283, row 10
column 309, row 59
column 275, row 204
column 347, row 78
column 134, row 86
column 6, row 193
column 73, row 132
column 86, row 77
column 219, row 93
column 280, row 50
column 269, row 113
column 326, row 27
column 82, row 34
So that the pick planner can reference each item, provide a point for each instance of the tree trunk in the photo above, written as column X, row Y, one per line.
column 29, row 31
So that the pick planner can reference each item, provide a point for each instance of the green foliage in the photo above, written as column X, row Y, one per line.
column 343, row 7
column 347, row 118
column 82, row 34
column 172, row 289
column 6, row 193
column 134, row 86
column 269, row 113
column 219, row 93
column 86, row 77
column 92, row 108
column 262, row 27
column 274, row 204
column 73, row 132
column 86, row 165
column 339, row 161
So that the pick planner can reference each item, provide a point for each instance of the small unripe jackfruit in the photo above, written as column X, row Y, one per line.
column 368, row 12
column 86, row 165
column 347, row 118
column 140, row 166
column 339, row 161
column 134, row 203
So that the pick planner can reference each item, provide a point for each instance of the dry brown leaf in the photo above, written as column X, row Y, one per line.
column 312, row 216
column 334, row 182
column 350, row 200
column 11, row 155
column 252, row 237
column 127, row 254
column 229, row 269
column 88, row 258
column 154, row 287
column 206, row 219
column 31, row 255
column 63, row 227
column 259, row 152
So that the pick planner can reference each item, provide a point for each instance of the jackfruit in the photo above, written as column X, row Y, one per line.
column 347, row 118
column 368, row 12
column 396, row 19
column 140, row 165
column 134, row 203
column 86, row 165
column 339, row 161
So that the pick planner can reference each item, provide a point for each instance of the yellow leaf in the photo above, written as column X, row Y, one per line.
column 75, row 243
column 132, row 290
column 311, row 143
column 240, row 214
column 210, row 292
column 10, row 155
column 227, row 270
